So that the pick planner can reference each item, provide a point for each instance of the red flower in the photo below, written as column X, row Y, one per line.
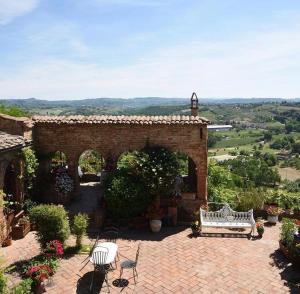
column 54, row 248
column 297, row 222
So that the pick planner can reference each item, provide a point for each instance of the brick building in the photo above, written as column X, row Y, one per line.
column 111, row 136
column 15, row 133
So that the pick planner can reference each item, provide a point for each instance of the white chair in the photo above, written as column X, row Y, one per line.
column 99, row 260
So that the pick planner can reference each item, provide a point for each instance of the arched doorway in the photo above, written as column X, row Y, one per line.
column 90, row 166
column 10, row 184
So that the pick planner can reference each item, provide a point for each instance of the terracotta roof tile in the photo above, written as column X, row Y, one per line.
column 8, row 141
column 121, row 119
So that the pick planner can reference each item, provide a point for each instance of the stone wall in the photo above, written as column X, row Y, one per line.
column 16, row 125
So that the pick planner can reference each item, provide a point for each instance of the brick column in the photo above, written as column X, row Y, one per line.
column 202, row 182
column 192, row 176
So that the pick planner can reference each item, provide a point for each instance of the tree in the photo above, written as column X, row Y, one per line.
column 268, row 136
column 296, row 147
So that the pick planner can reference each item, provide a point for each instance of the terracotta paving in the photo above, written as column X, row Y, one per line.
column 174, row 262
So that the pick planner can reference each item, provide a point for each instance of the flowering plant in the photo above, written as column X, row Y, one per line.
column 260, row 227
column 274, row 210
column 39, row 273
column 54, row 249
column 154, row 212
column 63, row 182
column 297, row 223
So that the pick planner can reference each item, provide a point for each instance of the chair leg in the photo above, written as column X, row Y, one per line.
column 133, row 275
column 106, row 280
column 91, row 286
column 136, row 272
column 121, row 272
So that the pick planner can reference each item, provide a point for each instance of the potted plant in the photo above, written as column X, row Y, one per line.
column 260, row 228
column 39, row 274
column 155, row 214
column 286, row 236
column 195, row 226
column 7, row 241
column 273, row 213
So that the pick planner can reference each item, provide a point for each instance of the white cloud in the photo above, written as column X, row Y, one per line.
column 133, row 2
column 261, row 65
column 10, row 9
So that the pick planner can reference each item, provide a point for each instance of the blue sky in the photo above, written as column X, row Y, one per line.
column 72, row 49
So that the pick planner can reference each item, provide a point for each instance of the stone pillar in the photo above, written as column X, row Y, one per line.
column 73, row 173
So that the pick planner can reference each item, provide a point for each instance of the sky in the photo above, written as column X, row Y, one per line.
column 74, row 49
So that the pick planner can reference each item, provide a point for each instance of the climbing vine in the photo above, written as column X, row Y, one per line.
column 30, row 168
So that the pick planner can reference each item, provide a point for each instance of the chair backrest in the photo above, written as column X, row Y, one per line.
column 137, row 254
column 94, row 245
column 100, row 256
column 111, row 234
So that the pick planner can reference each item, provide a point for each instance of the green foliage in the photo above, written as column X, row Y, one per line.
column 91, row 162
column 158, row 168
column 268, row 136
column 287, row 231
column 30, row 167
column 13, row 111
column 284, row 199
column 125, row 194
column 3, row 278
column 52, row 262
column 251, row 199
column 296, row 147
column 221, row 184
column 139, row 178
column 80, row 225
column 283, row 143
column 292, row 186
column 253, row 171
column 52, row 223
column 24, row 287
column 213, row 138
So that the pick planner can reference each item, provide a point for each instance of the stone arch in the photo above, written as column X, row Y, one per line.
column 90, row 165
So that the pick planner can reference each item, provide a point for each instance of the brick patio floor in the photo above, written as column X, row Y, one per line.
column 174, row 262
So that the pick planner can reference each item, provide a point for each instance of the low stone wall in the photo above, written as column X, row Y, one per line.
column 16, row 126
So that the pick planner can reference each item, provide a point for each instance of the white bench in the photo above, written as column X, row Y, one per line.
column 227, row 218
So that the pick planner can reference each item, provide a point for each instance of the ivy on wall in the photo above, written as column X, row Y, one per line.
column 30, row 168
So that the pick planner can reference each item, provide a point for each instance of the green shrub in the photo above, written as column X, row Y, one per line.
column 140, row 178
column 251, row 199
column 80, row 225
column 287, row 232
column 126, row 195
column 52, row 223
column 24, row 287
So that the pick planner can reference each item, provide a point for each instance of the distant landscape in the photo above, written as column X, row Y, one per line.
column 259, row 125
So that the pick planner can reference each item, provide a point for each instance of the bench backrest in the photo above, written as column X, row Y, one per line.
column 226, row 214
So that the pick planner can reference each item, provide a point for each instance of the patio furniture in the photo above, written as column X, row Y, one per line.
column 131, row 264
column 103, row 256
column 111, row 234
column 227, row 218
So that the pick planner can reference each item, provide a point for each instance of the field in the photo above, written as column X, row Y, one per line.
column 289, row 173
